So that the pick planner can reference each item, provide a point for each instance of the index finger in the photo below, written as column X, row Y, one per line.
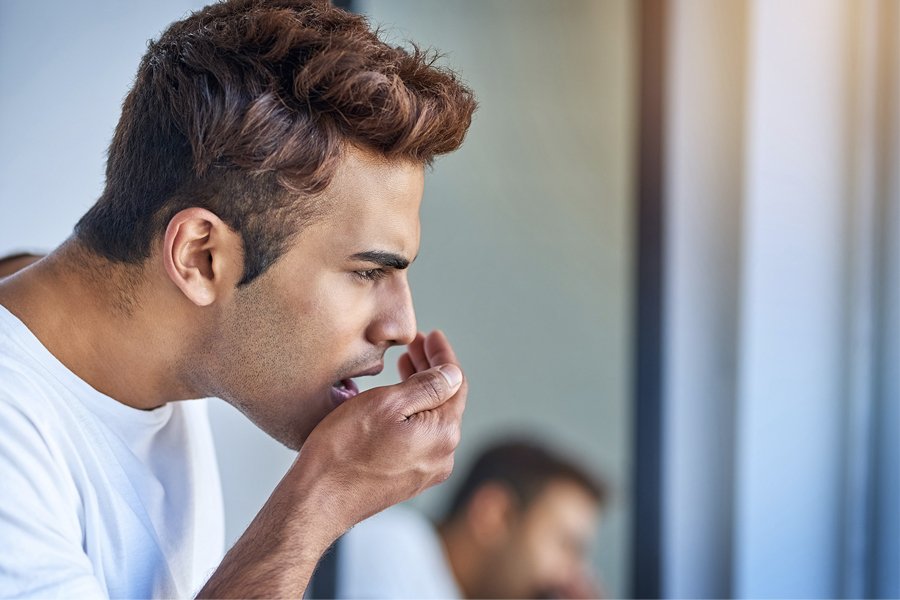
column 438, row 349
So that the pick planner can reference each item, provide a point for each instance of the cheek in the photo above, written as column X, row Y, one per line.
column 550, row 560
column 341, row 309
column 292, row 340
column 265, row 341
column 295, row 320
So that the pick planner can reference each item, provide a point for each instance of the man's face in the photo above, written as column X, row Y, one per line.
column 286, row 345
column 547, row 550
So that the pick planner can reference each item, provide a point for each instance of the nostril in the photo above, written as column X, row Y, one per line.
column 386, row 334
column 408, row 335
column 395, row 323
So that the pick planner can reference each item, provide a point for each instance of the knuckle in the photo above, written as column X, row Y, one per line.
column 446, row 470
column 431, row 387
column 447, row 439
column 455, row 436
column 388, row 405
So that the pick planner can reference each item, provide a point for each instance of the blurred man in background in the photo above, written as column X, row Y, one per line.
column 520, row 526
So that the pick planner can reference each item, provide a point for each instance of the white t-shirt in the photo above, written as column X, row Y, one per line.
column 97, row 498
column 395, row 554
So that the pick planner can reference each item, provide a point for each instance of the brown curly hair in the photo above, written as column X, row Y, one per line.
column 246, row 107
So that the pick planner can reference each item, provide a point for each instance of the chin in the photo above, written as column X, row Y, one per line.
column 292, row 439
column 291, row 432
column 292, row 443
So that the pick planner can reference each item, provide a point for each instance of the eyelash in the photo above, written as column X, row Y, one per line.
column 370, row 274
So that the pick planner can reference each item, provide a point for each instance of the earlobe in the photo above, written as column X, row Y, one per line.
column 196, row 254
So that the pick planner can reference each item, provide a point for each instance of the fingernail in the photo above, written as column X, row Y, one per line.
column 451, row 373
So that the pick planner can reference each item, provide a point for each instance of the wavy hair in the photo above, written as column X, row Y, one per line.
column 246, row 107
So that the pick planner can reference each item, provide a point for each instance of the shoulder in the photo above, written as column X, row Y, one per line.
column 25, row 396
column 395, row 554
column 29, row 423
column 34, row 423
column 22, row 377
column 40, row 521
column 22, row 392
column 377, row 555
column 398, row 528
column 37, row 483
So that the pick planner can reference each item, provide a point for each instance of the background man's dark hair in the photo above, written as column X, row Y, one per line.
column 525, row 469
column 246, row 107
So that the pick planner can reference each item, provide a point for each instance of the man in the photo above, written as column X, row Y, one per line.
column 251, row 243
column 519, row 526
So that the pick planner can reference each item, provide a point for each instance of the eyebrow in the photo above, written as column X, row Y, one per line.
column 381, row 258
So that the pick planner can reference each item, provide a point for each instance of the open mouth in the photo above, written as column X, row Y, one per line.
column 343, row 390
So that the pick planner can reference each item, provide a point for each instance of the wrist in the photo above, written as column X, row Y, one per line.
column 319, row 516
column 278, row 552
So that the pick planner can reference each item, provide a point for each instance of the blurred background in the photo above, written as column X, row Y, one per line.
column 668, row 249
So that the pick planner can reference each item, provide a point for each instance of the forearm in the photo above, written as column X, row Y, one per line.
column 278, row 552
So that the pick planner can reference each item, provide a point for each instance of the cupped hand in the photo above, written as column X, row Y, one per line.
column 389, row 443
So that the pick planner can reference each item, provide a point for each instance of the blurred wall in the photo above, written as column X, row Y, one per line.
column 64, row 70
column 525, row 259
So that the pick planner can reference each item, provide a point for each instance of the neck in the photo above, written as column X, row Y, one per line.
column 102, row 323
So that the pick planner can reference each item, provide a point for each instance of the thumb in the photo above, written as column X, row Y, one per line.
column 426, row 390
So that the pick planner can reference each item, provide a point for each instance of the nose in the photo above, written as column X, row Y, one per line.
column 395, row 321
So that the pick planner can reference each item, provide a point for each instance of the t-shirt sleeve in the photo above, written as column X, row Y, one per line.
column 41, row 553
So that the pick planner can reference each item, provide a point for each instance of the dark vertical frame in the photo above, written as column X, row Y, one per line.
column 647, row 455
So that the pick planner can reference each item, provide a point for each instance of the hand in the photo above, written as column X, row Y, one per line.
column 374, row 450
column 388, row 444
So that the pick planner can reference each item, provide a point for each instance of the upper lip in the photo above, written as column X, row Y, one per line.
column 375, row 370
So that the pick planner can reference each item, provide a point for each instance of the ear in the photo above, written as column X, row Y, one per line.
column 490, row 513
column 202, row 256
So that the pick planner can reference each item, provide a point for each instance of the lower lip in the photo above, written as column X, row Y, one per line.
column 342, row 394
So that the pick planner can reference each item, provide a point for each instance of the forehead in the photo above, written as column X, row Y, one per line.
column 365, row 182
column 371, row 204
column 565, row 502
column 374, row 200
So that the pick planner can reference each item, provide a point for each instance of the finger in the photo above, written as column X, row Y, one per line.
column 438, row 350
column 416, row 351
column 405, row 366
column 453, row 409
column 426, row 390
